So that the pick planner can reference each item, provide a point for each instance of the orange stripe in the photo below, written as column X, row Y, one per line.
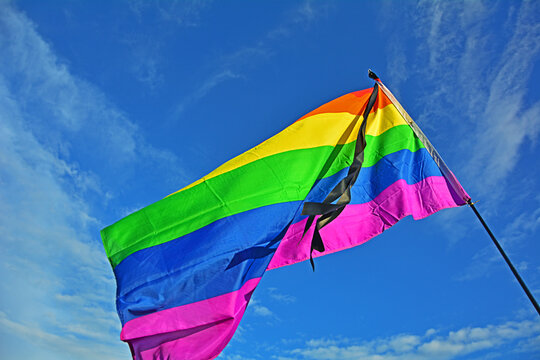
column 352, row 103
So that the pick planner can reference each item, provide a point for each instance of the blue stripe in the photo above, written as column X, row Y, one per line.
column 222, row 256
column 410, row 166
column 404, row 164
column 230, row 251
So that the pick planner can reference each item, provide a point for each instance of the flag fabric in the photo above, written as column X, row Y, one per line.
column 187, row 265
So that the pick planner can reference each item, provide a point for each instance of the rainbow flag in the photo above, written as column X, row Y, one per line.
column 187, row 265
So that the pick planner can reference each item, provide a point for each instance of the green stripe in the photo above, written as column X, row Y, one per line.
column 288, row 176
column 394, row 139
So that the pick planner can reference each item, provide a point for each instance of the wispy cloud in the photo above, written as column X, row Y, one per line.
column 59, row 137
column 275, row 294
column 146, row 61
column 235, row 357
column 233, row 65
column 432, row 345
column 61, row 345
column 481, row 86
column 514, row 235
column 53, row 99
column 475, row 75
column 69, row 116
column 258, row 308
column 204, row 89
column 506, row 121
column 181, row 12
column 56, row 279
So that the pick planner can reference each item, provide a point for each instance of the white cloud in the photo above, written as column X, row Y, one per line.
column 262, row 310
column 58, row 136
column 323, row 342
column 56, row 280
column 259, row 309
column 523, row 335
column 64, row 345
column 283, row 298
column 475, row 75
column 403, row 343
column 69, row 117
column 235, row 357
column 481, row 85
column 54, row 100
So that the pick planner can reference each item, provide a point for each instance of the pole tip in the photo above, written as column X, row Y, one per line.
column 372, row 75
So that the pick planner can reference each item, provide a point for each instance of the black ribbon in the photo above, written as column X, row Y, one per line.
column 341, row 193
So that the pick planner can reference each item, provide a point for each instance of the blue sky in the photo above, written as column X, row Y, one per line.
column 106, row 107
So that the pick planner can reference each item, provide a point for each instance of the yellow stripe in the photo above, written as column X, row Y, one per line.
column 328, row 129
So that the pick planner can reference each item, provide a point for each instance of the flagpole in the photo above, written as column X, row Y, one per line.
column 453, row 183
column 508, row 262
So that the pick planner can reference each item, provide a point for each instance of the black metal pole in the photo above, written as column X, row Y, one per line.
column 516, row 274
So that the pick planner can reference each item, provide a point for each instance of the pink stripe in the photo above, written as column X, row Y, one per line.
column 359, row 223
column 195, row 331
